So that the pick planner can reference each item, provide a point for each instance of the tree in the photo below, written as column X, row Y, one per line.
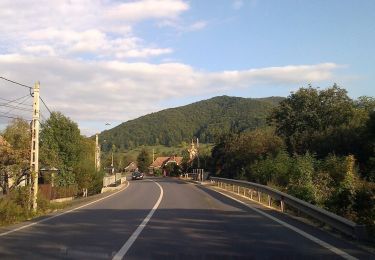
column 143, row 160
column 316, row 120
column 61, row 136
column 85, row 168
column 233, row 155
column 15, row 154
column 60, row 146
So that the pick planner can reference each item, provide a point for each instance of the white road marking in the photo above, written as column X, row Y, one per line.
column 124, row 249
column 58, row 215
column 297, row 230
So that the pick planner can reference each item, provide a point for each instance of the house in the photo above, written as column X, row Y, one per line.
column 161, row 162
column 131, row 167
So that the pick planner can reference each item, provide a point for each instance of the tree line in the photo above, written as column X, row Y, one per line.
column 206, row 120
column 319, row 146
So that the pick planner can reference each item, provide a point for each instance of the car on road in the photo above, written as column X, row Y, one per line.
column 137, row 176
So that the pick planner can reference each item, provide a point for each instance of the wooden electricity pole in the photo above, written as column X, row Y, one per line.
column 34, row 160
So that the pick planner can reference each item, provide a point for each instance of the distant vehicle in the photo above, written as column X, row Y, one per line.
column 137, row 176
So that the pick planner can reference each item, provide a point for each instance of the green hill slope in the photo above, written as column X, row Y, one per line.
column 204, row 119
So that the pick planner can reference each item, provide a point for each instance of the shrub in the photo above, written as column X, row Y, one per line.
column 158, row 172
column 300, row 180
column 10, row 212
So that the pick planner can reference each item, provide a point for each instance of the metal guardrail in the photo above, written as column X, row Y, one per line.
column 342, row 224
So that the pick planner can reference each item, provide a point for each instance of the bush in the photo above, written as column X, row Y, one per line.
column 300, row 180
column 43, row 204
column 10, row 212
column 158, row 172
column 96, row 183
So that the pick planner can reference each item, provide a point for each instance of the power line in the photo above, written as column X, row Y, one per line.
column 45, row 105
column 14, row 101
column 16, row 107
column 19, row 108
column 17, row 83
column 13, row 117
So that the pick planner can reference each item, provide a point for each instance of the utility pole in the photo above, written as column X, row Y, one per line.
column 113, row 148
column 198, row 153
column 97, row 154
column 34, row 160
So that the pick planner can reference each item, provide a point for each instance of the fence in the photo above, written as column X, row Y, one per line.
column 254, row 190
column 52, row 193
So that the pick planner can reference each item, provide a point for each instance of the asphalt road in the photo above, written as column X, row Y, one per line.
column 188, row 222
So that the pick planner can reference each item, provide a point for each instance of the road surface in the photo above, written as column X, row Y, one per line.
column 165, row 218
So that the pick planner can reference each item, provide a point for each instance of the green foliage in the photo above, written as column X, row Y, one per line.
column 173, row 169
column 158, row 172
column 301, row 178
column 15, row 154
column 84, row 170
column 65, row 178
column 236, row 153
column 364, row 205
column 273, row 171
column 96, row 183
column 206, row 120
column 10, row 212
column 306, row 117
column 63, row 147
column 60, row 142
column 144, row 160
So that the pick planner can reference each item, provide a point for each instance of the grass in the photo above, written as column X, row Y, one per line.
column 14, row 208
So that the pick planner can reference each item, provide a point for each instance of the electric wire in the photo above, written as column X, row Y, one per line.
column 17, row 83
column 13, row 116
column 16, row 107
column 22, row 102
column 14, row 100
column 45, row 105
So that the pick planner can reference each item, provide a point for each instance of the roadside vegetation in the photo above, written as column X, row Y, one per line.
column 62, row 148
column 319, row 146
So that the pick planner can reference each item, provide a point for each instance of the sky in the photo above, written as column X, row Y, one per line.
column 106, row 61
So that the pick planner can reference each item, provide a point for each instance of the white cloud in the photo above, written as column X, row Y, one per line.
column 147, row 9
column 119, row 91
column 237, row 4
column 72, row 28
column 198, row 26
column 180, row 27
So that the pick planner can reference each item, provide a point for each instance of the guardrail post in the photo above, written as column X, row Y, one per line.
column 282, row 206
column 233, row 188
column 238, row 190
column 251, row 194
column 244, row 192
column 269, row 201
column 259, row 195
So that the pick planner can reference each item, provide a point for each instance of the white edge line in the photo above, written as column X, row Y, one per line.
column 297, row 230
column 63, row 213
column 124, row 249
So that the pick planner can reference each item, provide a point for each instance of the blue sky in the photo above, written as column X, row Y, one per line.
column 111, row 61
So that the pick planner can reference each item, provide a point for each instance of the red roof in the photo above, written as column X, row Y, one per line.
column 161, row 161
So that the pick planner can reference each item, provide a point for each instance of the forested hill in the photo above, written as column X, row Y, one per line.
column 204, row 119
